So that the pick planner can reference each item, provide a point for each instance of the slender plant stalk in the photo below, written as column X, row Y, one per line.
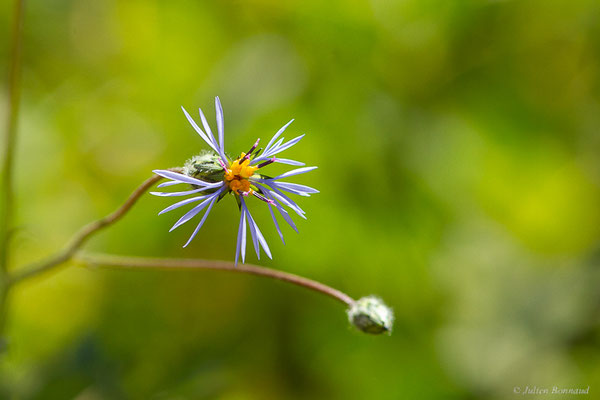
column 70, row 252
column 8, row 279
column 83, row 235
column 107, row 260
column 14, row 94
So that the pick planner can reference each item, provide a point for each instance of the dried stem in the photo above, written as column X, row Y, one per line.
column 174, row 263
column 83, row 235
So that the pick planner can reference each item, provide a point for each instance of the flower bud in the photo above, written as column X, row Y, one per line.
column 205, row 166
column 371, row 315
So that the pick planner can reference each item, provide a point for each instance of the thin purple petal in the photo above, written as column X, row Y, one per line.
column 170, row 183
column 243, row 243
column 279, row 132
column 301, row 190
column 182, row 203
column 171, row 194
column 190, row 214
column 286, row 146
column 241, row 237
column 276, row 223
column 289, row 189
column 274, row 191
column 270, row 189
column 289, row 162
column 207, row 129
column 253, row 229
column 293, row 172
column 260, row 237
column 220, row 124
column 199, row 131
column 212, row 137
column 181, row 178
column 283, row 213
column 201, row 222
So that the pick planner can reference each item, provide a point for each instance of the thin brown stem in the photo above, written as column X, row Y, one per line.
column 83, row 235
column 14, row 94
column 69, row 252
column 107, row 260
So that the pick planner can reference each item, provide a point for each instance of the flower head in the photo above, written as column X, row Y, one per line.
column 212, row 175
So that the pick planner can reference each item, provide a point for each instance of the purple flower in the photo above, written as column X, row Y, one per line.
column 212, row 175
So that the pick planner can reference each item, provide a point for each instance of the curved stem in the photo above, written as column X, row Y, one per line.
column 108, row 260
column 83, row 235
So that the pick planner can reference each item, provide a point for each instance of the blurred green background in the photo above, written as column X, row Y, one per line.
column 457, row 145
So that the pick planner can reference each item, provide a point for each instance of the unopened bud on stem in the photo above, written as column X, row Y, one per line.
column 371, row 315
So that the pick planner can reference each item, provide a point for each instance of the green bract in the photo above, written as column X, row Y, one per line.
column 205, row 166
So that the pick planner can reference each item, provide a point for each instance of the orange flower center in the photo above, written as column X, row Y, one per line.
column 237, row 175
